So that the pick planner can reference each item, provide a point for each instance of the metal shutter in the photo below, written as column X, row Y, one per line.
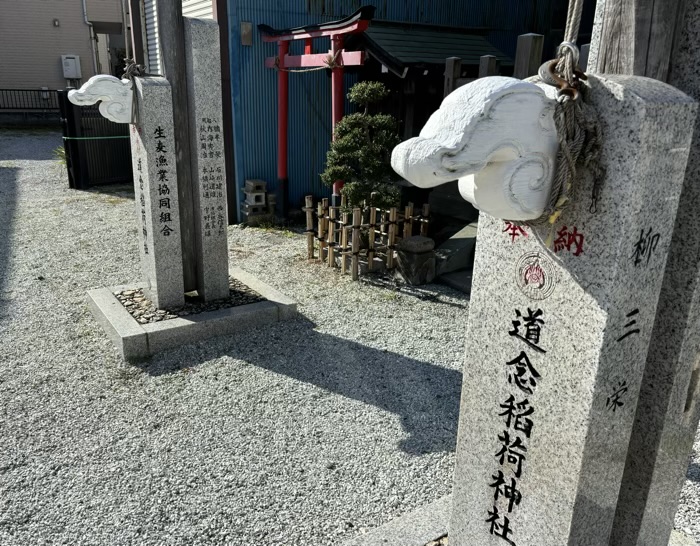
column 198, row 8
column 151, row 25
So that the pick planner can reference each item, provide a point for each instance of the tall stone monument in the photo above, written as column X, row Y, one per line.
column 668, row 410
column 155, row 187
column 207, row 156
column 560, row 318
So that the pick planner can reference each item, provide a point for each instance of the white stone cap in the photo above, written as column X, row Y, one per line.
column 116, row 96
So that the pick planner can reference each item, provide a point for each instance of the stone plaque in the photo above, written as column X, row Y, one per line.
column 559, row 327
column 155, row 186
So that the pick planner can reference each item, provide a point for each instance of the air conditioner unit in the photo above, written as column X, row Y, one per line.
column 71, row 67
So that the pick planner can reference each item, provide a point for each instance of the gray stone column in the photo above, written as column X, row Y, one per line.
column 557, row 339
column 155, row 186
column 207, row 156
column 668, row 410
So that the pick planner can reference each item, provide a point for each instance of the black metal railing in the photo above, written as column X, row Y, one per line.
column 24, row 100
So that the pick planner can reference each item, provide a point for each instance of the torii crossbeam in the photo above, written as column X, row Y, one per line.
column 335, row 60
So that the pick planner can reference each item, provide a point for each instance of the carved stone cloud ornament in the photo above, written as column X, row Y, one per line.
column 496, row 136
column 116, row 96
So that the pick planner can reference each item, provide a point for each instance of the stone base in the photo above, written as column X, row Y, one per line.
column 136, row 341
column 430, row 523
column 416, row 528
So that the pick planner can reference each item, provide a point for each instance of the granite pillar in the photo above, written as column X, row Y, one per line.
column 155, row 187
column 557, row 337
column 207, row 156
column 668, row 410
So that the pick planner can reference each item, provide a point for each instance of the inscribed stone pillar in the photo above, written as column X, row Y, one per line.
column 557, row 339
column 207, row 159
column 668, row 409
column 155, row 186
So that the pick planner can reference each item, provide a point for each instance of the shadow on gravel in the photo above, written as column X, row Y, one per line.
column 693, row 473
column 8, row 202
column 428, row 292
column 426, row 396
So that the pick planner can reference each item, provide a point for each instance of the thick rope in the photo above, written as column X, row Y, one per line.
column 578, row 129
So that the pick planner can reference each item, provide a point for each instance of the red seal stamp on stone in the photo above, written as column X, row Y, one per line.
column 536, row 275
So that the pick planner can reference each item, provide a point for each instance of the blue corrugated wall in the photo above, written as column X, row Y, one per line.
column 254, row 87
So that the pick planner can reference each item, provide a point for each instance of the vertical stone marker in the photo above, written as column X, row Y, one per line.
column 207, row 156
column 557, row 339
column 668, row 410
column 155, row 185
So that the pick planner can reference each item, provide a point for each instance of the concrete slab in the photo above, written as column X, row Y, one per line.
column 416, row 528
column 430, row 523
column 135, row 341
column 459, row 280
column 679, row 539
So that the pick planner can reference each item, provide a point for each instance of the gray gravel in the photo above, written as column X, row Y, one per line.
column 302, row 433
column 305, row 432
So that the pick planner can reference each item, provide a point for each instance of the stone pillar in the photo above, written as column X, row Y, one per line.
column 668, row 410
column 207, row 156
column 557, row 339
column 155, row 187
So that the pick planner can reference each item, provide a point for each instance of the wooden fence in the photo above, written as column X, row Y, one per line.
column 338, row 233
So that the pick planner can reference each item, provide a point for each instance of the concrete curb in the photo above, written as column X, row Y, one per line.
column 416, row 528
column 135, row 341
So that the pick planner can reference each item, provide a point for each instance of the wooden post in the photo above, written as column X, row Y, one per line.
column 488, row 66
column 453, row 69
column 636, row 37
column 309, row 209
column 356, row 220
column 528, row 55
column 344, row 243
column 171, row 37
column 393, row 214
column 425, row 213
column 322, row 211
column 137, row 52
column 408, row 221
column 370, row 249
column 331, row 236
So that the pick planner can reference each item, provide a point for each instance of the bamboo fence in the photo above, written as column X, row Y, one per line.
column 338, row 232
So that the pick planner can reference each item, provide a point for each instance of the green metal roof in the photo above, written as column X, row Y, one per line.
column 399, row 46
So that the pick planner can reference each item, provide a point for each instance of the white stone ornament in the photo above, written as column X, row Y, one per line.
column 116, row 96
column 496, row 136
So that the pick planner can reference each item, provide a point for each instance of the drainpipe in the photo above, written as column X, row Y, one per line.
column 92, row 37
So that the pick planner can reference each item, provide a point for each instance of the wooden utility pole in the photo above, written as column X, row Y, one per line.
column 172, row 58
column 636, row 36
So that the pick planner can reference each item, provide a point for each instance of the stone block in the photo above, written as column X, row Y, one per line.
column 126, row 334
column 135, row 341
column 207, row 156
column 257, row 199
column 416, row 268
column 255, row 186
column 416, row 244
column 155, row 187
column 558, row 337
column 458, row 251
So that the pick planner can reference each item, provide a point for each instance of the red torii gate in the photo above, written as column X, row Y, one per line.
column 335, row 59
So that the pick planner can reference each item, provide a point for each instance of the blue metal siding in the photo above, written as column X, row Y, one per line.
column 254, row 87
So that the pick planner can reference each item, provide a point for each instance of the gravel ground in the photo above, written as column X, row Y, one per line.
column 302, row 433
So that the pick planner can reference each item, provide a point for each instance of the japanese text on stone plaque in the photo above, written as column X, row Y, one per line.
column 165, row 211
column 212, row 177
column 516, row 412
